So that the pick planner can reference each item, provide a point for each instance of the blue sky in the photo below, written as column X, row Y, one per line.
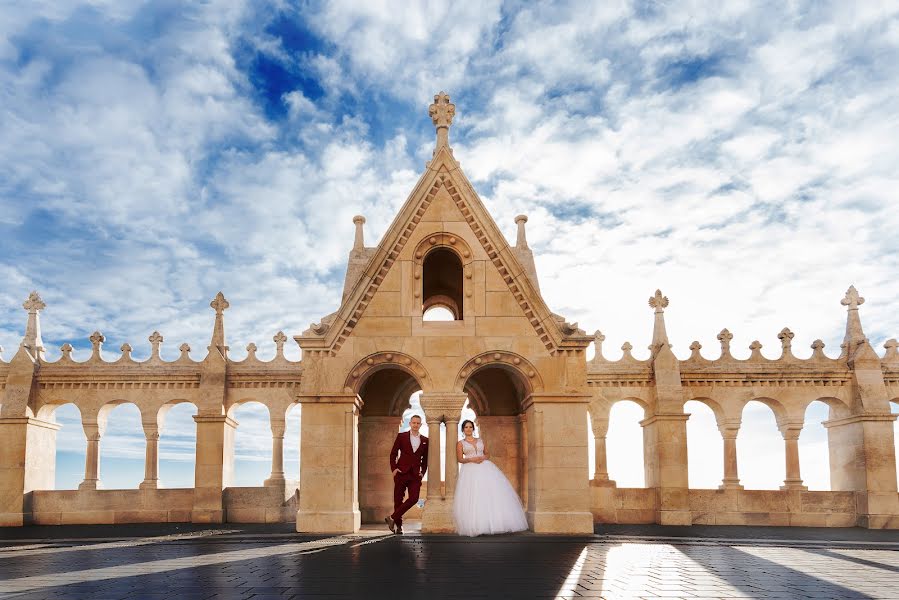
column 742, row 159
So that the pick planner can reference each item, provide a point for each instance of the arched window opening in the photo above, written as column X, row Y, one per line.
column 442, row 282
column 624, row 444
column 591, row 448
column 760, row 449
column 814, row 453
column 252, row 444
column 123, row 448
column 705, row 447
column 71, row 447
column 438, row 312
column 178, row 447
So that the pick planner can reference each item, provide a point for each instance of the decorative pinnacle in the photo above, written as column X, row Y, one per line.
column 219, row 303
column 852, row 299
column 155, row 338
column 97, row 338
column 34, row 303
column 658, row 301
column 785, row 336
column 358, row 242
column 522, row 240
column 442, row 113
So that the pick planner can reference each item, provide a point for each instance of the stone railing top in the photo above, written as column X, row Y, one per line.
column 96, row 358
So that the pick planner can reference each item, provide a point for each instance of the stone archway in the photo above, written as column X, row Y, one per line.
column 496, row 393
column 385, row 394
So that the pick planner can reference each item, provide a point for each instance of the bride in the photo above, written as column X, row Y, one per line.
column 485, row 501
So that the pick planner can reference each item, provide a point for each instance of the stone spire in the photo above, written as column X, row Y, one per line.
column 854, row 333
column 32, row 341
column 522, row 240
column 659, row 335
column 219, row 304
column 441, row 113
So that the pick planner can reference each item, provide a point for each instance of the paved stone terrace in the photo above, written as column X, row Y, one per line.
column 99, row 562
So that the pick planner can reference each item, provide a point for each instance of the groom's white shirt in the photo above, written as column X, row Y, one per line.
column 415, row 440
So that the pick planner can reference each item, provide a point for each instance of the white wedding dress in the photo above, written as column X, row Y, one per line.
column 485, row 501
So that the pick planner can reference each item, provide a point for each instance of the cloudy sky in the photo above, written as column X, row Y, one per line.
column 741, row 158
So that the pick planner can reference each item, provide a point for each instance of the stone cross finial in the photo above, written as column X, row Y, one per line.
column 66, row 350
column 97, row 339
column 155, row 340
column 522, row 240
column 626, row 348
column 32, row 340
column 126, row 351
column 442, row 113
column 695, row 347
column 185, row 350
column 34, row 303
column 852, row 299
column 219, row 304
column 658, row 301
column 251, row 350
column 786, row 337
column 279, row 340
column 725, row 337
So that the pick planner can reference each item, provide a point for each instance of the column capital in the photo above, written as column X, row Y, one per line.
column 442, row 404
column 652, row 419
column 223, row 419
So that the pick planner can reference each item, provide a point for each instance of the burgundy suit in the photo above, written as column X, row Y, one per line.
column 412, row 465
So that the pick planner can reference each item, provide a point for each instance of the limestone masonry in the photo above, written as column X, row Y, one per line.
column 522, row 368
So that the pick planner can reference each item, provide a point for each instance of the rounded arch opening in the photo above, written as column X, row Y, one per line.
column 624, row 444
column 71, row 444
column 814, row 452
column 760, row 447
column 177, row 445
column 442, row 282
column 252, row 443
column 705, row 446
column 122, row 446
column 496, row 390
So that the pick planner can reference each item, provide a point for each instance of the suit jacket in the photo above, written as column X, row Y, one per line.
column 403, row 458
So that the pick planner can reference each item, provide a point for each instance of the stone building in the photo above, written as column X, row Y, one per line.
column 522, row 369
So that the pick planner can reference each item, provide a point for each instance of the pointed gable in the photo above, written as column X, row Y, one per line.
column 444, row 194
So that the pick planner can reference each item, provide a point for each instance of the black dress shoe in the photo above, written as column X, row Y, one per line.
column 390, row 524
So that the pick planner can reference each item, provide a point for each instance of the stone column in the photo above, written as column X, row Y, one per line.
column 277, row 477
column 558, row 490
column 601, row 469
column 214, row 466
column 437, row 516
column 329, row 463
column 729, row 431
column 790, row 432
column 151, row 458
column 452, row 464
column 92, row 457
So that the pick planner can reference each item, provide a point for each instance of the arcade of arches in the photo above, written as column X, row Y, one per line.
column 500, row 351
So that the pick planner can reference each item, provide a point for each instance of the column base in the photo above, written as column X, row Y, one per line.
column 794, row 485
column 348, row 521
column 275, row 481
column 437, row 516
column 572, row 523
column 90, row 484
column 733, row 484
column 152, row 484
column 603, row 483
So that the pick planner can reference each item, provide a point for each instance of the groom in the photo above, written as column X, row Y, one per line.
column 409, row 462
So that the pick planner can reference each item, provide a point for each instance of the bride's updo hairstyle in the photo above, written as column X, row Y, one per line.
column 468, row 421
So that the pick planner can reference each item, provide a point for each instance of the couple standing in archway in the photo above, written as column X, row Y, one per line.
column 484, row 501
